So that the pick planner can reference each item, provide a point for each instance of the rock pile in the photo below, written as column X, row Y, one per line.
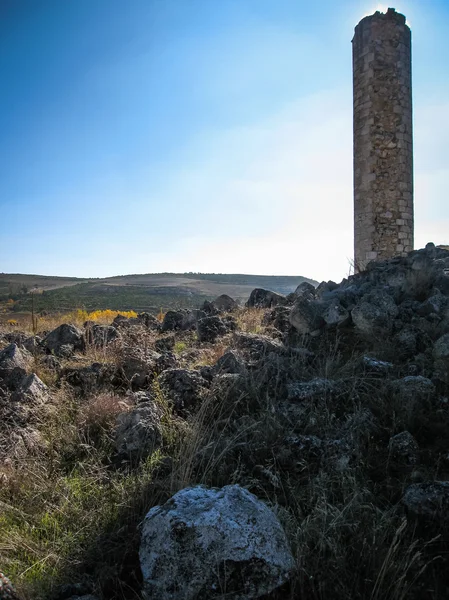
column 335, row 378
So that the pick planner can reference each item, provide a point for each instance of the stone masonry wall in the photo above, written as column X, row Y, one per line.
column 383, row 151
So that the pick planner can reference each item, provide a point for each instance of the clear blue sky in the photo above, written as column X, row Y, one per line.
column 197, row 135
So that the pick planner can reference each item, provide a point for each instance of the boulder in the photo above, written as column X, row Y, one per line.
column 404, row 449
column 231, row 389
column 260, row 298
column 306, row 314
column 335, row 315
column 427, row 501
column 206, row 542
column 149, row 321
column 441, row 348
column 436, row 304
column 223, row 303
column 31, row 390
column 278, row 317
column 191, row 318
column 64, row 340
column 167, row 360
column 15, row 337
column 165, row 343
column 257, row 345
column 315, row 388
column 7, row 590
column 181, row 320
column 230, row 322
column 406, row 342
column 139, row 432
column 184, row 388
column 173, row 320
column 230, row 362
column 51, row 362
column 32, row 344
column 375, row 314
column 119, row 322
column 414, row 389
column 90, row 379
column 440, row 352
column 305, row 288
column 14, row 363
column 139, row 367
column 101, row 335
column 210, row 328
column 374, row 366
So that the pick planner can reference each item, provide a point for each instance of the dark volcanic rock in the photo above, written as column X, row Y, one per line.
column 306, row 315
column 91, row 379
column 260, row 298
column 223, row 303
column 375, row 314
column 181, row 320
column 210, row 328
column 139, row 432
column 318, row 387
column 165, row 343
column 404, row 449
column 257, row 345
column 427, row 501
column 149, row 321
column 101, row 335
column 183, row 388
column 138, row 368
column 173, row 320
column 31, row 391
column 230, row 362
column 14, row 363
column 278, row 317
column 64, row 340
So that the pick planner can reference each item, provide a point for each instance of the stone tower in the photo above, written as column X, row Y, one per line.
column 383, row 151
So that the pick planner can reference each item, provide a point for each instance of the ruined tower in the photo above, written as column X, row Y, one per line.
column 383, row 150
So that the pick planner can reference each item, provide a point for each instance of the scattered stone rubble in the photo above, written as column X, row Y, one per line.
column 392, row 326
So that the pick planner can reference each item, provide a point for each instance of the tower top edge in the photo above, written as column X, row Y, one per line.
column 391, row 15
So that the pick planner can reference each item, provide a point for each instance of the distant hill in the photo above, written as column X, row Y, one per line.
column 146, row 292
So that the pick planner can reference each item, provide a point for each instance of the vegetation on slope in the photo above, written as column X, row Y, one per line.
column 71, row 508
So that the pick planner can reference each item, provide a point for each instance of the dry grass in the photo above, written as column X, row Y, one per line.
column 69, row 508
column 249, row 320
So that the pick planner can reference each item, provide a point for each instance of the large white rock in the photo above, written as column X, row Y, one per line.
column 213, row 543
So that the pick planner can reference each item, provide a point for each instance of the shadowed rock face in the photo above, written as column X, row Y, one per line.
column 13, row 365
column 405, row 297
column 261, row 298
column 63, row 340
column 204, row 541
column 139, row 431
column 210, row 328
column 427, row 501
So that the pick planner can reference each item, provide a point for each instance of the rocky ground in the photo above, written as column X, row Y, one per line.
column 297, row 447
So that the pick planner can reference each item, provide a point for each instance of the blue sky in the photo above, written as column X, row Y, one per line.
column 198, row 135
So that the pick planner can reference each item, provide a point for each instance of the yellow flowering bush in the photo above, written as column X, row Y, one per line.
column 99, row 316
